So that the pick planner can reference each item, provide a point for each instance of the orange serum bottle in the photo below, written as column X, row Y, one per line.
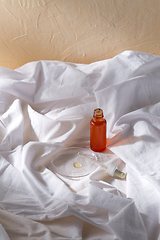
column 98, row 131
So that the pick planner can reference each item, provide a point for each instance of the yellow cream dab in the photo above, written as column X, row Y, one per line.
column 77, row 165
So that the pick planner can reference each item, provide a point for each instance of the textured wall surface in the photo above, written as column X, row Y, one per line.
column 80, row 31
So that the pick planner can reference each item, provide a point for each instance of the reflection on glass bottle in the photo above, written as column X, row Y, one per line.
column 98, row 131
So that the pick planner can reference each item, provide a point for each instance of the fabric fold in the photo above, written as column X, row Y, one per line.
column 46, row 106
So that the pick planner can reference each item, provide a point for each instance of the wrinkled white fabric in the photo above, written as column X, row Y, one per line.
column 46, row 106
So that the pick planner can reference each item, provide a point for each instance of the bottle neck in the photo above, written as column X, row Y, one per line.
column 98, row 113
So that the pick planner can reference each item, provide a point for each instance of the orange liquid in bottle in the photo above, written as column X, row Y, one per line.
column 98, row 131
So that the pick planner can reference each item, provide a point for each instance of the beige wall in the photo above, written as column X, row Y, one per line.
column 81, row 31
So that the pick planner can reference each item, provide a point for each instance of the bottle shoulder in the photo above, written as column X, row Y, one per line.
column 97, row 121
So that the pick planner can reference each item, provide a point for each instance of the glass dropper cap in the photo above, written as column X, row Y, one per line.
column 113, row 171
column 119, row 174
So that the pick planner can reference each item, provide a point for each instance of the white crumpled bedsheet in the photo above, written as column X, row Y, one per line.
column 46, row 106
